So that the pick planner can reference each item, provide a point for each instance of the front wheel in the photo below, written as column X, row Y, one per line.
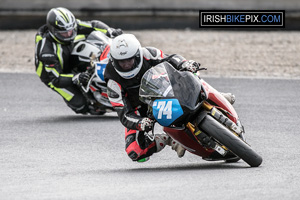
column 236, row 145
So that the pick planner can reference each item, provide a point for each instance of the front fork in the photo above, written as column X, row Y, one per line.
column 206, row 140
column 237, row 129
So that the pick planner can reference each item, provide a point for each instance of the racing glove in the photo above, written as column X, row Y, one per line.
column 81, row 78
column 111, row 32
column 191, row 66
column 146, row 124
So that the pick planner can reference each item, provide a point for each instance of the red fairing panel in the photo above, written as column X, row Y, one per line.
column 189, row 144
column 218, row 99
column 105, row 53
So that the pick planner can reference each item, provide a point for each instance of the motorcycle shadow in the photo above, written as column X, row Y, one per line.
column 78, row 118
column 173, row 168
column 199, row 166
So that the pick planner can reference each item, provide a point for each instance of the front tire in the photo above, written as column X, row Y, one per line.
column 235, row 144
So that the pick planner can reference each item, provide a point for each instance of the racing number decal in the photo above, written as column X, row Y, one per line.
column 166, row 111
column 100, row 70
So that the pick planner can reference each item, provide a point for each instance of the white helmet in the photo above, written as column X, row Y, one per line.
column 127, row 56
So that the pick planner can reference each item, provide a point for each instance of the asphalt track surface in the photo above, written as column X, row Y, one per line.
column 48, row 152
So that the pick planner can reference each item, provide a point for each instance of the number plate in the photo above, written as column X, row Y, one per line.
column 166, row 111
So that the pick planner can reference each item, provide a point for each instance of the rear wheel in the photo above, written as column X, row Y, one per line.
column 235, row 144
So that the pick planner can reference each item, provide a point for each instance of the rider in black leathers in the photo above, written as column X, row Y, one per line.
column 129, row 61
column 54, row 43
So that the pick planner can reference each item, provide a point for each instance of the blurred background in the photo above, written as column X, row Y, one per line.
column 136, row 14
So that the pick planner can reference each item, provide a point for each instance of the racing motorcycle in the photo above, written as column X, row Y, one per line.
column 196, row 115
column 92, row 55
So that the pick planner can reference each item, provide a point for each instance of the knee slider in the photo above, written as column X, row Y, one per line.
column 133, row 155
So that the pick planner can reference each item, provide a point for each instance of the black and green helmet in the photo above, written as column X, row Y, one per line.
column 62, row 24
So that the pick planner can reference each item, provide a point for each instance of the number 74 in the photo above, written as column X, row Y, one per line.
column 165, row 108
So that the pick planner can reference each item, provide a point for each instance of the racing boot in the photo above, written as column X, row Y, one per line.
column 230, row 97
column 177, row 147
column 161, row 141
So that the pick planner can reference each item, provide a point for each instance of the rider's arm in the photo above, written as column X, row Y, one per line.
column 86, row 27
column 121, row 104
column 154, row 56
column 57, row 78
column 49, row 67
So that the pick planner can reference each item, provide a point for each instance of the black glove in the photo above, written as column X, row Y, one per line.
column 81, row 78
column 146, row 124
column 111, row 32
column 191, row 66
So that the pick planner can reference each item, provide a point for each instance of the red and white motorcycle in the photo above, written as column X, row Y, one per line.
column 196, row 115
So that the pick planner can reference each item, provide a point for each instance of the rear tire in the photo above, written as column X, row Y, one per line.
column 235, row 144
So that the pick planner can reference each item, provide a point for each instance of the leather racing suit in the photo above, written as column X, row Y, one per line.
column 124, row 97
column 52, row 61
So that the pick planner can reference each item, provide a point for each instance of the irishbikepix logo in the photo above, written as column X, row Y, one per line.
column 243, row 19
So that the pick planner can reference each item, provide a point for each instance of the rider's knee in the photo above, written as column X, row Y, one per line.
column 133, row 155
column 78, row 104
column 131, row 146
column 82, row 110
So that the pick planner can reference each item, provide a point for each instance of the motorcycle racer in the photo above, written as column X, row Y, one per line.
column 54, row 42
column 128, row 63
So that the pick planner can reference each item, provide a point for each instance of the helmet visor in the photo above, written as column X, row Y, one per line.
column 126, row 65
column 66, row 35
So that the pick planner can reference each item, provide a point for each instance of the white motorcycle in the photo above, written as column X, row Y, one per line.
column 92, row 55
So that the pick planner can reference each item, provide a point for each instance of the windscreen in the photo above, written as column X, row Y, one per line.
column 99, row 39
column 156, row 83
column 164, row 81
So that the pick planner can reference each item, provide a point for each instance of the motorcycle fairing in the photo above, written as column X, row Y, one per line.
column 182, row 135
column 214, row 96
column 156, row 83
column 105, row 54
column 101, row 65
column 166, row 111
column 182, row 83
column 83, row 50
